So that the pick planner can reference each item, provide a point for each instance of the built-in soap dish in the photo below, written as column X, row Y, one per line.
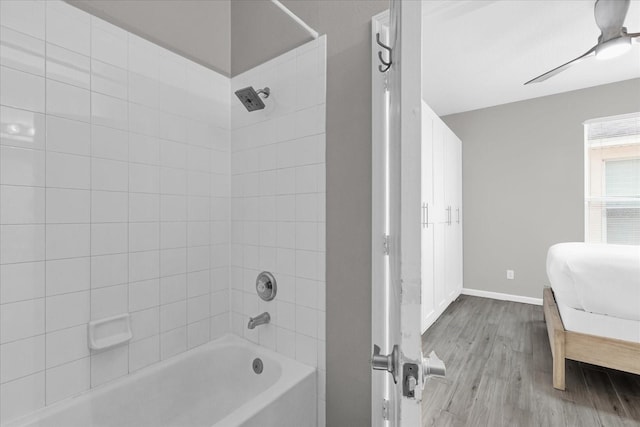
column 109, row 332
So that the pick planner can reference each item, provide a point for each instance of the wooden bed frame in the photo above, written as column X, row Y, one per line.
column 607, row 352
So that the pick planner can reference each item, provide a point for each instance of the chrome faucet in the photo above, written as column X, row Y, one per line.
column 260, row 319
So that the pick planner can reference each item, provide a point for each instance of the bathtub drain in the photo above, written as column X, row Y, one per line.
column 257, row 366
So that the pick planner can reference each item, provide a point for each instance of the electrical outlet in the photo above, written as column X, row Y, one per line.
column 510, row 274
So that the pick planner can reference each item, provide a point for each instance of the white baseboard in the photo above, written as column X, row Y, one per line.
column 502, row 297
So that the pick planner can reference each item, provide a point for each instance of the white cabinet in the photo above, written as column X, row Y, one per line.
column 441, row 228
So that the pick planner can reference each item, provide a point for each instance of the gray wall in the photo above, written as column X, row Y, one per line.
column 205, row 41
column 347, row 25
column 523, row 182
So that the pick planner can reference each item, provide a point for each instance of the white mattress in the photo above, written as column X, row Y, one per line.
column 599, row 324
column 596, row 278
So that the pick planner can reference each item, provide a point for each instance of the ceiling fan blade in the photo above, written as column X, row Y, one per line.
column 610, row 15
column 561, row 68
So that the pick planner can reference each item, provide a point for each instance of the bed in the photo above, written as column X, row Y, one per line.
column 592, row 310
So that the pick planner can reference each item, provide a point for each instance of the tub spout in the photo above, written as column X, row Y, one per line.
column 260, row 319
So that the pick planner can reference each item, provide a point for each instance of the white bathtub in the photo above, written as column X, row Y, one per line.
column 213, row 385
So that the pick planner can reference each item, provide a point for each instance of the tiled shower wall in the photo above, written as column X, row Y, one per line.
column 114, row 185
column 278, row 206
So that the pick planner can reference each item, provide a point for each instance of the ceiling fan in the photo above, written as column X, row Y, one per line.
column 613, row 41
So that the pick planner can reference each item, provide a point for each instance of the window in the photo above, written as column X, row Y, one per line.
column 612, row 180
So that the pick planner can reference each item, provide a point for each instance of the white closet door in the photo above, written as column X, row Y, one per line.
column 428, row 304
column 438, row 213
column 439, row 266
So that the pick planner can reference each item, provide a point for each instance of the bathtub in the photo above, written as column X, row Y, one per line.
column 213, row 385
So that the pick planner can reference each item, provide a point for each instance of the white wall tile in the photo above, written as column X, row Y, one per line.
column 22, row 396
column 20, row 320
column 197, row 308
column 68, row 27
column 144, row 236
column 109, row 80
column 27, row 16
column 109, row 175
column 24, row 281
column 68, row 136
column 109, row 365
column 143, row 120
column 21, row 90
column 71, row 102
column 109, row 301
column 68, row 275
column 144, row 207
column 173, row 315
column 21, row 51
column 22, row 243
column 67, row 66
column 109, row 238
column 198, row 333
column 30, row 129
column 173, row 288
column 109, row 143
column 21, row 358
column 143, row 295
column 68, row 171
column 108, row 270
column 143, row 89
column 22, row 205
column 19, row 166
column 66, row 345
column 66, row 206
column 145, row 323
column 173, row 342
column 67, row 380
column 144, row 352
column 109, row 43
column 144, row 149
column 109, row 206
column 109, row 111
column 67, row 240
column 64, row 311
column 144, row 265
column 144, row 178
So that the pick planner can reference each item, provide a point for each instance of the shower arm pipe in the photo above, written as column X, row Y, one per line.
column 295, row 17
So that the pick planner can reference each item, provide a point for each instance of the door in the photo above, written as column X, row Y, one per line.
column 396, row 309
column 427, row 225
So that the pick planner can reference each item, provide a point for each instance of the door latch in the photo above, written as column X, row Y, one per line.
column 409, row 379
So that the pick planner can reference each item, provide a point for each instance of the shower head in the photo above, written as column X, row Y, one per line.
column 251, row 98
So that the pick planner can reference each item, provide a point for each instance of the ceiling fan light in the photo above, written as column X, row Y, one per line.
column 613, row 48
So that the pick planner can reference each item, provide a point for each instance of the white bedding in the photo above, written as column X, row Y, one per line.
column 599, row 324
column 596, row 278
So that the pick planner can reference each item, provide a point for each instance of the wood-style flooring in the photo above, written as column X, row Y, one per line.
column 499, row 374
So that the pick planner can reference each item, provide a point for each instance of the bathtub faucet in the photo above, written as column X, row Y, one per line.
column 260, row 319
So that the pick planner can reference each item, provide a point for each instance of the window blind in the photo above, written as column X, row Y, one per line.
column 612, row 178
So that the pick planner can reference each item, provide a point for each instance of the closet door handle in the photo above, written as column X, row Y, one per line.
column 422, row 213
column 426, row 216
column 458, row 212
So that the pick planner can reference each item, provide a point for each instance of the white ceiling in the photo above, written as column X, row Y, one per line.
column 478, row 54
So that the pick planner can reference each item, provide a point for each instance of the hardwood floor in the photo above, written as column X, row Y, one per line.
column 499, row 374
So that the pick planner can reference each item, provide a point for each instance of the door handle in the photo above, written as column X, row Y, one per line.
column 389, row 362
column 425, row 215
column 458, row 212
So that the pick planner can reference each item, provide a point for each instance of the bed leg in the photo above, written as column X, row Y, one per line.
column 558, row 361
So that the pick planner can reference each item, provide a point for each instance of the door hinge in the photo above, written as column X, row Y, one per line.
column 385, row 244
column 385, row 409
